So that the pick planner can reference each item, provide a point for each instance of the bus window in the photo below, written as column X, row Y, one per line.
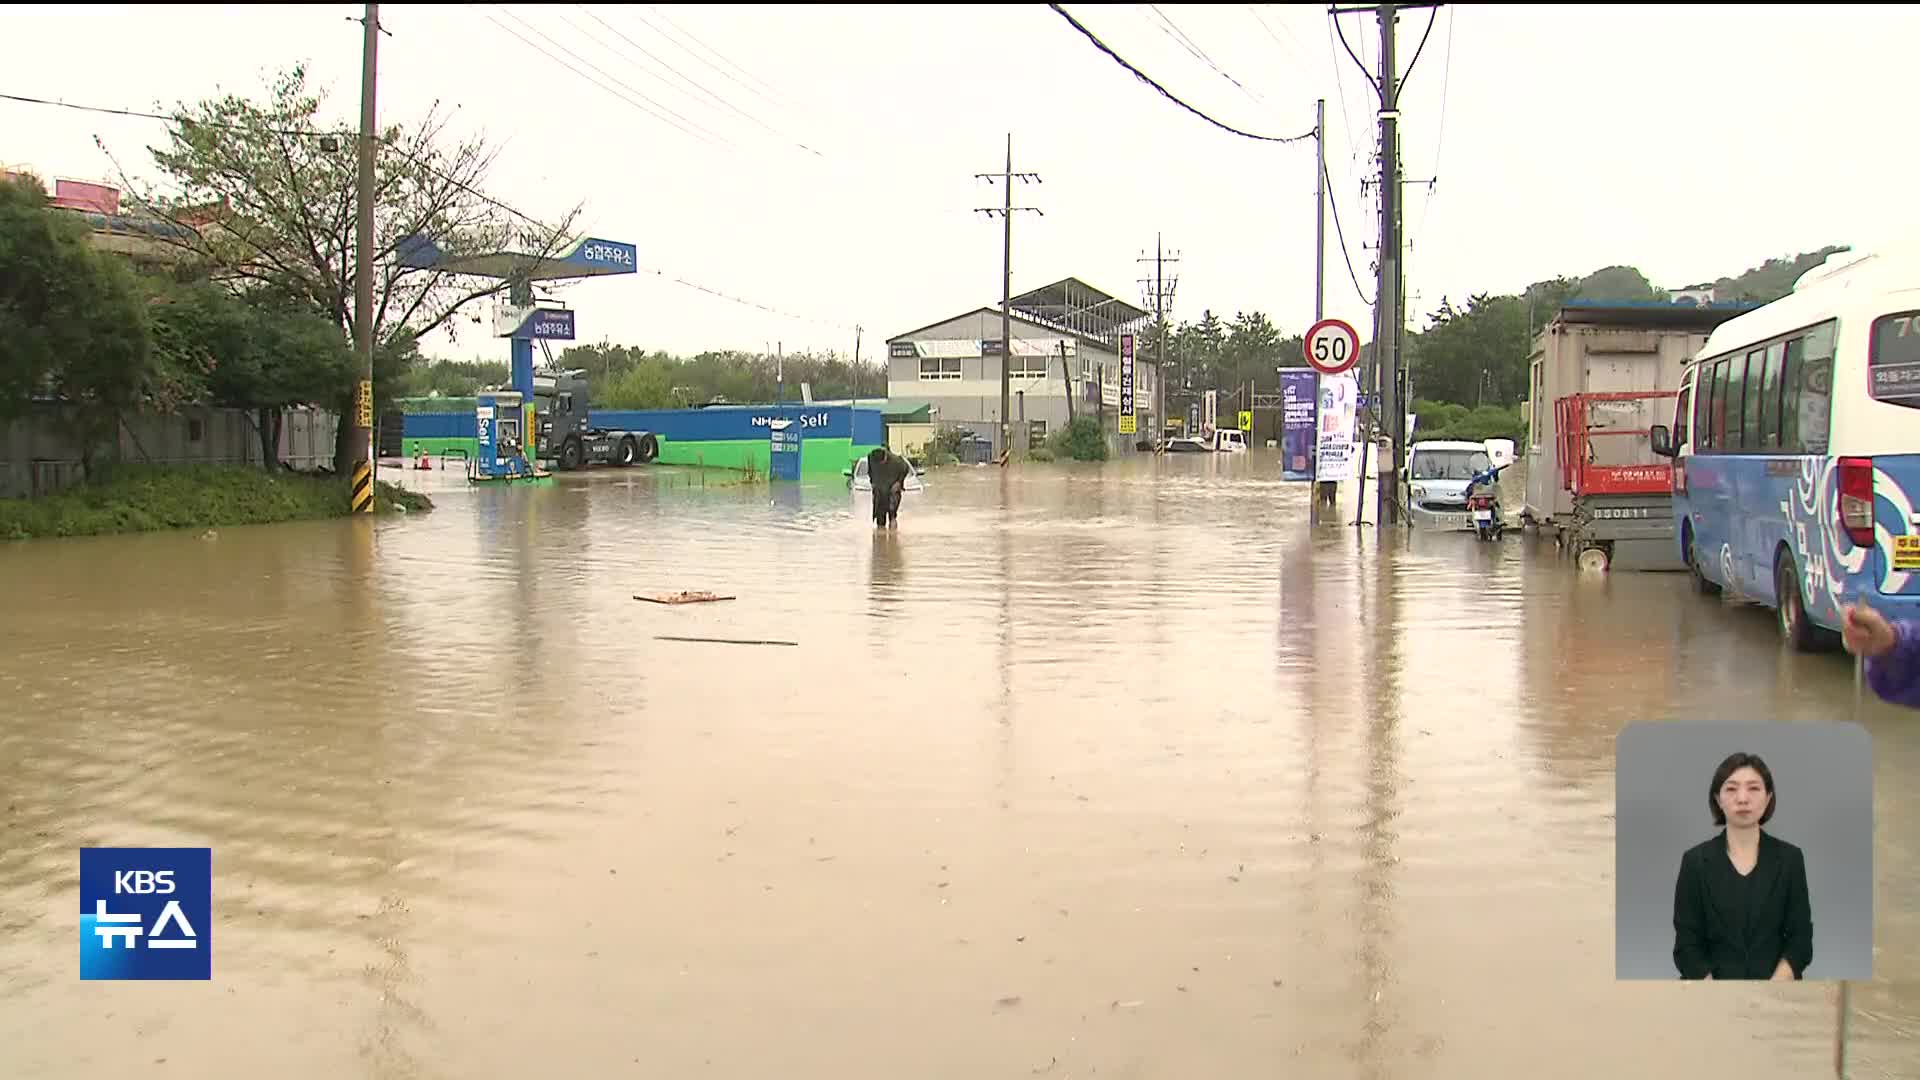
column 1790, row 395
column 1720, row 374
column 1770, row 397
column 1703, row 405
column 1893, row 365
column 1750, row 412
column 1816, row 390
column 1682, row 414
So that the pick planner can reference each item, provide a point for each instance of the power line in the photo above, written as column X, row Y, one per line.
column 1433, row 13
column 1368, row 75
column 682, row 76
column 291, row 132
column 1166, row 93
column 617, row 95
column 1172, row 29
column 417, row 160
column 1341, row 233
column 688, row 34
column 597, row 68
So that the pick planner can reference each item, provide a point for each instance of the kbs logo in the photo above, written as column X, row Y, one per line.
column 146, row 913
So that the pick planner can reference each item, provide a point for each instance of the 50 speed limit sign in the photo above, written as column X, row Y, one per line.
column 1332, row 346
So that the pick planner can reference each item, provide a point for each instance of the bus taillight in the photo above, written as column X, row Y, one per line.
column 1856, row 500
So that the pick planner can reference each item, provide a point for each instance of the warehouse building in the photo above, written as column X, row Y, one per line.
column 1066, row 342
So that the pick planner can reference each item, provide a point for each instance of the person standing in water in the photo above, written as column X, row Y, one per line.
column 888, row 473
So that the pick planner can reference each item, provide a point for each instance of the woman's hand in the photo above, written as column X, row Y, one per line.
column 1783, row 971
column 1866, row 632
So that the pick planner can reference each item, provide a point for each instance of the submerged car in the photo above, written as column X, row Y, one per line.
column 1438, row 473
column 858, row 480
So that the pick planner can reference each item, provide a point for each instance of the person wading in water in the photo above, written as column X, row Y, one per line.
column 888, row 473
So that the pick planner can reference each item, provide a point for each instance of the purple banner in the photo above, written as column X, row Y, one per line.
column 1299, row 401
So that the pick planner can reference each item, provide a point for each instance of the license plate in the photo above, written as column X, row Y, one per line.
column 1483, row 515
column 1906, row 553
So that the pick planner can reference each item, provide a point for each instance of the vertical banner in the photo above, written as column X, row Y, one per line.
column 1333, row 447
column 1297, row 407
column 1211, row 419
column 1128, row 423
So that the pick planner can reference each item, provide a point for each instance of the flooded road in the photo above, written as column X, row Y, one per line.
column 1123, row 773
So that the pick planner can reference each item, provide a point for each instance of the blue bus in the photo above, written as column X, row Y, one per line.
column 1796, row 450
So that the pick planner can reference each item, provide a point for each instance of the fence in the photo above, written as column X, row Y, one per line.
column 39, row 454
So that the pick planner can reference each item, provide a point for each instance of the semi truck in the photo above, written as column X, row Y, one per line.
column 564, row 434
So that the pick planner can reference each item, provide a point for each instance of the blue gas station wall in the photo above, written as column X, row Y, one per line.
column 725, row 436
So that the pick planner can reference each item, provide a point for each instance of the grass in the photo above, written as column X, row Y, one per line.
column 146, row 498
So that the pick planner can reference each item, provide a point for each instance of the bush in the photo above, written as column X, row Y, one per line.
column 947, row 441
column 1040, row 454
column 1080, row 440
column 1483, row 423
column 144, row 498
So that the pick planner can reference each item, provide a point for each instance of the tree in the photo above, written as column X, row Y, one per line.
column 263, row 353
column 270, row 190
column 73, row 325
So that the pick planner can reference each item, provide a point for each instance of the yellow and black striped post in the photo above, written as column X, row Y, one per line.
column 362, row 499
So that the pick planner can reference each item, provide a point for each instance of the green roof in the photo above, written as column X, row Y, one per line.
column 904, row 407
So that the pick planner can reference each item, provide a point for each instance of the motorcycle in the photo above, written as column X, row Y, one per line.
column 1483, row 503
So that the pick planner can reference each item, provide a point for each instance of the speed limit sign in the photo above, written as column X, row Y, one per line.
column 1332, row 346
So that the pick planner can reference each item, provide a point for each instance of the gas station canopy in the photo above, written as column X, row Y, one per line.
column 591, row 257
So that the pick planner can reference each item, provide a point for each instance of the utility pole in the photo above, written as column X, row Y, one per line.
column 363, row 329
column 1387, row 310
column 1006, row 211
column 1389, row 313
column 1322, row 492
column 1163, row 291
column 1320, row 211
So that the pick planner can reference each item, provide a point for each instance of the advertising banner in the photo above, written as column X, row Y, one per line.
column 1334, row 456
column 1297, row 405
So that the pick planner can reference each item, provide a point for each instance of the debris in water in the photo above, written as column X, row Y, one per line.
column 685, row 596
column 721, row 640
column 1128, row 1004
column 1009, row 1001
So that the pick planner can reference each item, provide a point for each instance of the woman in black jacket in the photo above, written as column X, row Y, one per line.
column 1740, row 907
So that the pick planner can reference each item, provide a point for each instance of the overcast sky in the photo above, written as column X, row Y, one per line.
column 1689, row 140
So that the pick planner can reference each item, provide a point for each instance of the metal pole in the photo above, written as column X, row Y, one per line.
column 1320, row 212
column 1160, row 331
column 1006, row 304
column 1320, row 491
column 363, row 329
column 1387, row 309
column 853, row 409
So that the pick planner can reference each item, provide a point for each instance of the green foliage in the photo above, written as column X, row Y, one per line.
column 1479, row 425
column 142, row 498
column 1040, row 454
column 1080, row 440
column 1774, row 278
column 72, row 321
column 274, row 183
column 947, row 442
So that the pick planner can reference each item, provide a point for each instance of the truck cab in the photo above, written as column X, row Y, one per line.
column 564, row 434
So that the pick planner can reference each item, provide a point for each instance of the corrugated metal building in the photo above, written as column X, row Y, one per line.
column 1598, row 348
column 1066, row 341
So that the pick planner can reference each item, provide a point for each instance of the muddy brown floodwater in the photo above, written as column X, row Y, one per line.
column 1123, row 773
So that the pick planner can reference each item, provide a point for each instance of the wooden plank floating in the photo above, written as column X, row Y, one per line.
column 683, row 597
column 721, row 640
